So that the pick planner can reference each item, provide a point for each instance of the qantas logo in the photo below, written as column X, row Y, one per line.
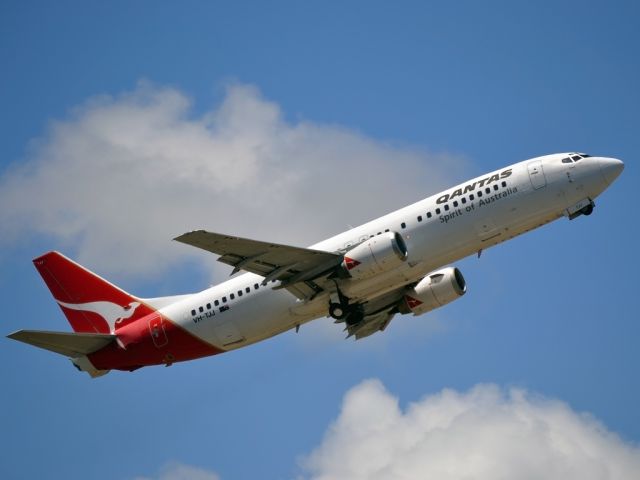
column 111, row 312
column 350, row 263
column 469, row 188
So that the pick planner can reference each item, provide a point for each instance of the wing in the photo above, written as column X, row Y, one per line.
column 295, row 267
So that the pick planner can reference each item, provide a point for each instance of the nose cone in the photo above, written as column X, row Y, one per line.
column 610, row 168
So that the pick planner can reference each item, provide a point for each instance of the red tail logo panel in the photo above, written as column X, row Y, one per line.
column 90, row 303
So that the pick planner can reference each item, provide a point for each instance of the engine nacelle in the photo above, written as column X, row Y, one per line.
column 433, row 291
column 377, row 255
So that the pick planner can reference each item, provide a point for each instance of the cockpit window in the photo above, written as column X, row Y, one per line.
column 575, row 157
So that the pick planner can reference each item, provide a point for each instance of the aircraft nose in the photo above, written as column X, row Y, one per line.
column 610, row 168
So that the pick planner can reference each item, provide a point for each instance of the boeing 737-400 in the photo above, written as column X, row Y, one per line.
column 395, row 264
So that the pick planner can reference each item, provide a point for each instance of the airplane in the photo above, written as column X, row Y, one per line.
column 396, row 264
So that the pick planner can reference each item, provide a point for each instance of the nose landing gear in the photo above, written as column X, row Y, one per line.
column 583, row 207
column 588, row 210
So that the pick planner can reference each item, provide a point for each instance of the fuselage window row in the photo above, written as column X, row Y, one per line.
column 216, row 302
column 463, row 200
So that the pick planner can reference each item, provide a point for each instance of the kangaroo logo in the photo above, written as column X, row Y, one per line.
column 111, row 312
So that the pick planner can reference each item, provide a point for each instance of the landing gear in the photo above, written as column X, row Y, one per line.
column 355, row 315
column 588, row 210
column 337, row 311
column 351, row 315
column 583, row 207
column 342, row 311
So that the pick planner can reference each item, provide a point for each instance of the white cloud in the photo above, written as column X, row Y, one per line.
column 179, row 471
column 486, row 433
column 114, row 182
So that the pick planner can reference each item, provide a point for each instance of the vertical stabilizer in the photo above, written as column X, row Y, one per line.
column 90, row 303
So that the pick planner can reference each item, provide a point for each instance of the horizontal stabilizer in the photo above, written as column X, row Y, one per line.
column 68, row 344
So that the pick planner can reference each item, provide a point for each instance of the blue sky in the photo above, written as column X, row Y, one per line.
column 360, row 108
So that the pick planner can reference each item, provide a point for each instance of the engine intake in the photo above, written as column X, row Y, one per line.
column 377, row 255
column 433, row 291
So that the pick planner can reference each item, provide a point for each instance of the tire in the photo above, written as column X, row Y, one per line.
column 588, row 210
column 337, row 311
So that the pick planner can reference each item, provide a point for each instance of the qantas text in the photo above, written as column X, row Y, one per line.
column 469, row 188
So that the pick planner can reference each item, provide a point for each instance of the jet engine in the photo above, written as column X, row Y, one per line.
column 433, row 291
column 375, row 255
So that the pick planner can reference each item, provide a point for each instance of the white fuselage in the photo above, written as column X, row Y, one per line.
column 438, row 230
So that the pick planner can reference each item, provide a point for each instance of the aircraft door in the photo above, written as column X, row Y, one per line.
column 158, row 333
column 536, row 174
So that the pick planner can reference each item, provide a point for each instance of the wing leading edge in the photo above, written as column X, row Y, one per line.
column 294, row 267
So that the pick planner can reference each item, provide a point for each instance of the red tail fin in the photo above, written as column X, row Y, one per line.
column 90, row 303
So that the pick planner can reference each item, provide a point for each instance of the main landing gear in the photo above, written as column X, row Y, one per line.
column 337, row 311
column 342, row 311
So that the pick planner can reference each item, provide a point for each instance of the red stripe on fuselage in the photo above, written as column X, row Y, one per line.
column 172, row 344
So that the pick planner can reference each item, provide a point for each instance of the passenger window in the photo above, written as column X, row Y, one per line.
column 224, row 299
column 403, row 225
column 446, row 207
column 248, row 289
column 386, row 229
column 487, row 190
column 463, row 200
column 256, row 286
column 471, row 197
column 208, row 306
column 455, row 203
column 216, row 303
column 419, row 218
column 232, row 296
column 479, row 193
column 495, row 187
column 504, row 184
column 200, row 309
column 437, row 211
column 193, row 313
column 239, row 293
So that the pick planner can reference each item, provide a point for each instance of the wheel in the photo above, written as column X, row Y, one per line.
column 588, row 210
column 337, row 311
column 354, row 318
